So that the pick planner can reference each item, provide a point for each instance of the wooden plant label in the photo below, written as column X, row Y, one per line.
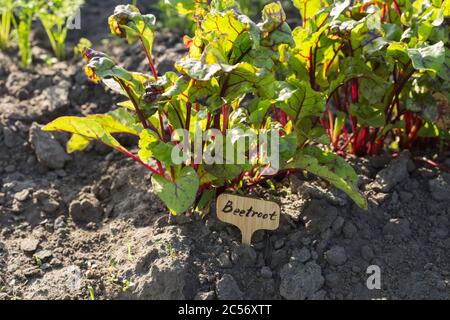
column 248, row 214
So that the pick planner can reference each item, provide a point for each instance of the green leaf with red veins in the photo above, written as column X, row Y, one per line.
column 230, row 23
column 230, row 37
column 274, row 27
column 332, row 168
column 299, row 101
column 308, row 8
column 187, row 6
column 87, row 129
column 178, row 195
column 244, row 79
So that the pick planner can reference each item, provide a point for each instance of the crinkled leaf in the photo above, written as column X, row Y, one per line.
column 231, row 25
column 198, row 69
column 103, row 68
column 274, row 27
column 127, row 21
column 338, row 8
column 429, row 58
column 300, row 100
column 245, row 78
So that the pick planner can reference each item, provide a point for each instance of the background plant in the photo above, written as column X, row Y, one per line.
column 53, row 16
column 234, row 78
column 171, row 19
column 6, row 22
column 384, row 67
column 26, row 13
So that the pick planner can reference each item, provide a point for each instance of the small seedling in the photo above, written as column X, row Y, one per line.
column 127, row 285
column 169, row 249
column 91, row 292
column 15, row 297
column 38, row 261
column 130, row 250
column 54, row 16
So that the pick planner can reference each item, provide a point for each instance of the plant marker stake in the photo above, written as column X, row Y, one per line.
column 248, row 214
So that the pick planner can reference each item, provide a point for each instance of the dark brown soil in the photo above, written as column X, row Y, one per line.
column 89, row 222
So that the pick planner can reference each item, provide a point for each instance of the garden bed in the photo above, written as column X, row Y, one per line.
column 88, row 225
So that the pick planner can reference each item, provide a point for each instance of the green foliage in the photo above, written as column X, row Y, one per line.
column 236, row 79
column 54, row 16
column 171, row 19
column 182, row 14
column 26, row 14
column 6, row 22
column 383, row 66
column 180, row 194
column 79, row 48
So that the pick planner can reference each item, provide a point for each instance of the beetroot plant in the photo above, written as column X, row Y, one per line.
column 196, row 129
column 383, row 67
